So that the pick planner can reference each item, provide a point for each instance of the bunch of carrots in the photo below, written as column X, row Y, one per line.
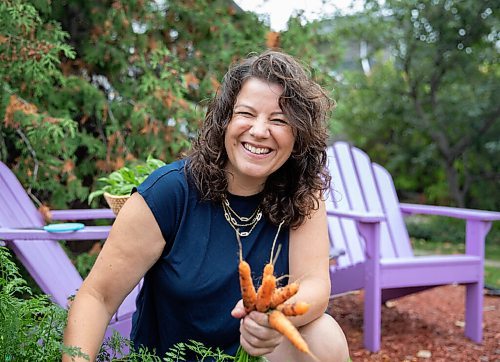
column 271, row 300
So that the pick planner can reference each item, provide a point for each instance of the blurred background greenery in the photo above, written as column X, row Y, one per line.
column 89, row 86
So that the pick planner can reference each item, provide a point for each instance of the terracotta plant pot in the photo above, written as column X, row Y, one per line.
column 115, row 202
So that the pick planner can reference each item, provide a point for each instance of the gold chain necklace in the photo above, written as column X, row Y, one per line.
column 236, row 221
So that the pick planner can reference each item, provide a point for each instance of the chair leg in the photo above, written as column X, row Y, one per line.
column 373, row 292
column 476, row 232
column 474, row 311
column 372, row 317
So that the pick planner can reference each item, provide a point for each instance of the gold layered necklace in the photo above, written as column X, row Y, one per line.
column 238, row 222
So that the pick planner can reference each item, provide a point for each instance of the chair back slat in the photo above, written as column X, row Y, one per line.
column 390, row 204
column 343, row 232
column 372, row 199
column 50, row 267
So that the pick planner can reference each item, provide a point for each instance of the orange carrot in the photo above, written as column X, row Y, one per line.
column 282, row 324
column 293, row 309
column 282, row 294
column 248, row 293
column 268, row 270
column 265, row 293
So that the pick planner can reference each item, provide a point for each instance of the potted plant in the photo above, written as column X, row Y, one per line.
column 119, row 184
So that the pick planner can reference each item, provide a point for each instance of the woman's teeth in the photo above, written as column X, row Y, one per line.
column 256, row 150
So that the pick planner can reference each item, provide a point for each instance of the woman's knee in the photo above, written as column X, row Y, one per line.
column 325, row 339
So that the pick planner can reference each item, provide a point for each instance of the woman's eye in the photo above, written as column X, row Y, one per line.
column 246, row 114
column 279, row 121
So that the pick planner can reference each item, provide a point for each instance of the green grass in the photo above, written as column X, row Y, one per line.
column 492, row 252
column 492, row 276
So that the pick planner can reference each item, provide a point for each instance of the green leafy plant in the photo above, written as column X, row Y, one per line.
column 122, row 181
column 113, row 350
column 31, row 327
column 243, row 356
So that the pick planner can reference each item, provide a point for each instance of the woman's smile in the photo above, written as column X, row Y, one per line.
column 256, row 150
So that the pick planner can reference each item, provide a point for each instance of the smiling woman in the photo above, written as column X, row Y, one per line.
column 256, row 172
column 275, row 95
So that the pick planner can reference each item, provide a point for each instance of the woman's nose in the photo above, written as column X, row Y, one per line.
column 260, row 128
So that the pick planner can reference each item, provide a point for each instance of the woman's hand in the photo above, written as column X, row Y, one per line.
column 238, row 310
column 256, row 336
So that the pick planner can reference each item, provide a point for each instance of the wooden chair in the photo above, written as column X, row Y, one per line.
column 21, row 227
column 366, row 220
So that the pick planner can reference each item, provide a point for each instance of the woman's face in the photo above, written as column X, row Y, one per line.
column 258, row 138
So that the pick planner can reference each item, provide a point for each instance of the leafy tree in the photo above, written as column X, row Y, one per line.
column 90, row 85
column 29, row 59
column 428, row 109
column 316, row 47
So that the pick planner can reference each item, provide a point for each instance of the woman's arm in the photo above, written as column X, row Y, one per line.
column 309, row 264
column 133, row 246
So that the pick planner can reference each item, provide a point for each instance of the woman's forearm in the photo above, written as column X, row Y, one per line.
column 88, row 318
column 315, row 292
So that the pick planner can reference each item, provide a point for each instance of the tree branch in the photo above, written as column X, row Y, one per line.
column 466, row 141
column 35, row 160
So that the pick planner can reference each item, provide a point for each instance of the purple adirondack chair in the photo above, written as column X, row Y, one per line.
column 366, row 221
column 21, row 227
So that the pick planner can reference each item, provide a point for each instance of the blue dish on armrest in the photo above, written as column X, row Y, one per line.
column 63, row 227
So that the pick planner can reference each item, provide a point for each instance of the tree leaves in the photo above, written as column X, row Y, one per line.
column 427, row 96
column 131, row 90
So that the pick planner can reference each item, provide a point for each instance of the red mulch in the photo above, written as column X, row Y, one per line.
column 413, row 326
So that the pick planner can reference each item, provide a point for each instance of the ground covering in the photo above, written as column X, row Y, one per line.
column 424, row 326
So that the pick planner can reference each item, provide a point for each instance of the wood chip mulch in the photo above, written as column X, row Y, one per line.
column 426, row 326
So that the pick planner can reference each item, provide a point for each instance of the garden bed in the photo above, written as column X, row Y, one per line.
column 423, row 326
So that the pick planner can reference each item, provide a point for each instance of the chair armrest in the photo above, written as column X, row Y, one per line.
column 82, row 214
column 368, row 224
column 458, row 213
column 87, row 233
column 365, row 217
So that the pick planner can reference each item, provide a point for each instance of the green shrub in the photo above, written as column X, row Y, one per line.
column 114, row 346
column 30, row 328
column 444, row 229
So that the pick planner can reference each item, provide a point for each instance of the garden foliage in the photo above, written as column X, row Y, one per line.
column 122, row 181
column 88, row 86
column 427, row 108
column 30, row 326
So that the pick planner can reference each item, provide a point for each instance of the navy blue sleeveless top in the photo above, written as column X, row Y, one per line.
column 188, row 294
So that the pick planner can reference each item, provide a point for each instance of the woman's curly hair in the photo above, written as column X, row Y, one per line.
column 292, row 191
